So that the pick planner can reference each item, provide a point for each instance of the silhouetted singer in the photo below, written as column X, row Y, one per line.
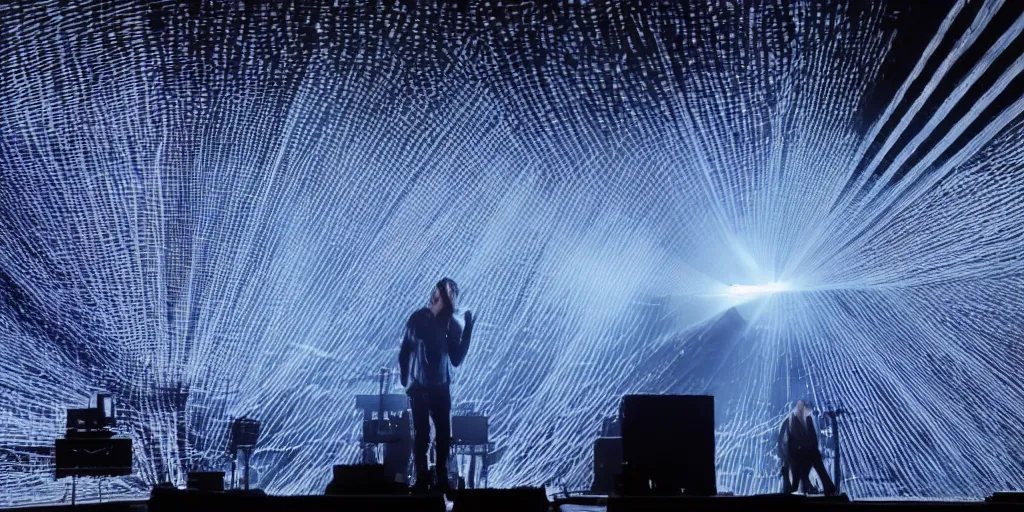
column 433, row 342
column 798, row 449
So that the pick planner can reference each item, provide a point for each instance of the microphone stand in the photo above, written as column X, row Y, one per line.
column 833, row 414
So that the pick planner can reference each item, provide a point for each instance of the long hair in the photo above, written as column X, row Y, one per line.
column 798, row 420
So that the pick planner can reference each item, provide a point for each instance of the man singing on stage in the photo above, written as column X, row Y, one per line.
column 433, row 339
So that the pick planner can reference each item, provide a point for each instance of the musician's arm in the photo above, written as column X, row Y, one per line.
column 406, row 351
column 458, row 340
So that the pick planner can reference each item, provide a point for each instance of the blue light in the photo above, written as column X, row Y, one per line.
column 232, row 211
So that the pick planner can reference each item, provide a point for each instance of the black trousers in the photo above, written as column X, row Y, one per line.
column 802, row 464
column 431, row 403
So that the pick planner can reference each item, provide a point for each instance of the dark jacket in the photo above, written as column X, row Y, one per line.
column 430, row 346
column 801, row 437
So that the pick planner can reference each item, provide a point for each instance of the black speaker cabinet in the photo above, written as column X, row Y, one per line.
column 93, row 457
column 668, row 445
column 206, row 481
column 501, row 500
column 1006, row 497
column 244, row 432
column 469, row 430
column 607, row 465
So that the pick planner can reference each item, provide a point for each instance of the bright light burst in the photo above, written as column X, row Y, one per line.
column 231, row 209
column 753, row 290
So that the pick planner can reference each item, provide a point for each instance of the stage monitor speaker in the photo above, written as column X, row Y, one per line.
column 668, row 445
column 93, row 457
column 501, row 500
column 607, row 465
column 363, row 479
column 205, row 481
column 1006, row 497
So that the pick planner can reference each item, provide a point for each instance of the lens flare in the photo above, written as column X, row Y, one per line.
column 742, row 290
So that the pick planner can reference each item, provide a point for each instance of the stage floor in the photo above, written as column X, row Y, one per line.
column 215, row 502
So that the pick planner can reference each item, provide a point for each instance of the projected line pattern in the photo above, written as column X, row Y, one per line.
column 231, row 211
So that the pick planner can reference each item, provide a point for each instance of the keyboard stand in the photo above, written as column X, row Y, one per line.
column 483, row 451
